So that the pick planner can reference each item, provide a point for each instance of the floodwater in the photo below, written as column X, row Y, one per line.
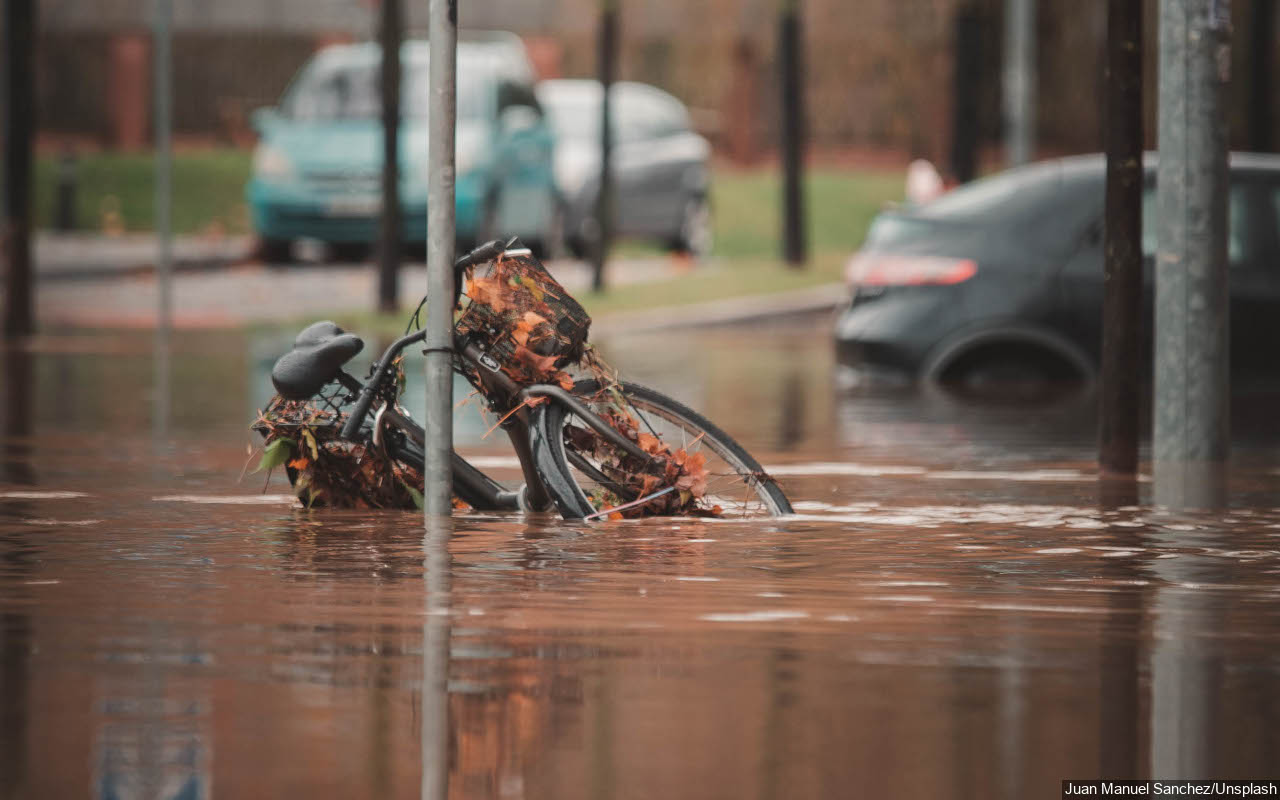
column 960, row 609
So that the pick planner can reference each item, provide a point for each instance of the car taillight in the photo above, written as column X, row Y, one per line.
column 891, row 269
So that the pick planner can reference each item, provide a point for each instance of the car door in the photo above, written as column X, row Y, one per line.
column 524, row 190
column 651, row 157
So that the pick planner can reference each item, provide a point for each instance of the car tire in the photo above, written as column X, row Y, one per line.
column 275, row 252
column 1014, row 380
column 696, row 235
column 349, row 252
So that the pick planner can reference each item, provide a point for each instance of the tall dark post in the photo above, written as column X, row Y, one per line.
column 391, row 32
column 19, row 119
column 1118, row 411
column 608, row 59
column 1261, row 62
column 791, row 81
column 966, row 89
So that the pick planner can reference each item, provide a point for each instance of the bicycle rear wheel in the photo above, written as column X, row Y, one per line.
column 579, row 467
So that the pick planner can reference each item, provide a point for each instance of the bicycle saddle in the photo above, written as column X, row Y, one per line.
column 316, row 358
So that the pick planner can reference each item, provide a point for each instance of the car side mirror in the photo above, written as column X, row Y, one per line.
column 263, row 118
column 518, row 119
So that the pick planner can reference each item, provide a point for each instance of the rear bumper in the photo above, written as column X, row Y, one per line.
column 284, row 213
column 893, row 331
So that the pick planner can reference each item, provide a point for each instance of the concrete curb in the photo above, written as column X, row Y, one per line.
column 826, row 297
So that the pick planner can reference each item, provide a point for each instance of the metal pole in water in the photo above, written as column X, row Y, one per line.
column 604, row 200
column 437, row 475
column 791, row 82
column 1019, row 80
column 1191, row 429
column 391, row 32
column 1119, row 395
column 17, row 317
column 163, row 111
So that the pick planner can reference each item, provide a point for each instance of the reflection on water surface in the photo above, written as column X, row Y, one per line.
column 955, row 611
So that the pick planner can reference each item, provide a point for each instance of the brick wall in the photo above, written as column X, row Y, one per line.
column 879, row 72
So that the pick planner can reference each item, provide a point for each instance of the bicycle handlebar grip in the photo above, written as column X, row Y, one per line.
column 485, row 252
column 361, row 410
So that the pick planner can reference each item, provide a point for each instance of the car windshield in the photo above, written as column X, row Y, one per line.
column 637, row 115
column 328, row 91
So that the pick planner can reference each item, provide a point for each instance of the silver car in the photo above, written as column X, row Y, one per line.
column 661, row 170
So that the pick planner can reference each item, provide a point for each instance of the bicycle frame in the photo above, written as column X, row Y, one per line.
column 472, row 485
column 505, row 396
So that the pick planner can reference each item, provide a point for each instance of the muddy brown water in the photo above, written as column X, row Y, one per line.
column 958, row 610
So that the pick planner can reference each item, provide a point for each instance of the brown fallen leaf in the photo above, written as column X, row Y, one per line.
column 539, row 365
column 491, row 292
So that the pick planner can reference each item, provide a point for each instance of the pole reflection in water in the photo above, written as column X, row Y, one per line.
column 1116, row 492
column 1118, row 658
column 19, row 387
column 18, row 559
column 435, row 658
column 791, row 411
column 1186, row 668
column 162, row 388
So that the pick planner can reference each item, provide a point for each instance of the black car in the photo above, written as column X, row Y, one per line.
column 1002, row 278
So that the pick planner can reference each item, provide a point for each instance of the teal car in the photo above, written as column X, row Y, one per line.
column 318, row 166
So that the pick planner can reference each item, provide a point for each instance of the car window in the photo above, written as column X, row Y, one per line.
column 639, row 115
column 326, row 91
column 1251, row 232
column 515, row 93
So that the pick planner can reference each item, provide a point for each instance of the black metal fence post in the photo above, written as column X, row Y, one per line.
column 608, row 58
column 390, row 240
column 791, row 82
column 19, row 120
column 1119, row 398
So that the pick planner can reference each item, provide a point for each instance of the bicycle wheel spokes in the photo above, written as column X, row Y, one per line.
column 729, row 483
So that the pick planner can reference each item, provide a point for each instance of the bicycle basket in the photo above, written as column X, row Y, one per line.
column 523, row 318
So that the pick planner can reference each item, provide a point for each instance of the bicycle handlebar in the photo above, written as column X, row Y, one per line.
column 352, row 426
column 485, row 252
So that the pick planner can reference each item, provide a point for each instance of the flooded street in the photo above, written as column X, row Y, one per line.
column 959, row 609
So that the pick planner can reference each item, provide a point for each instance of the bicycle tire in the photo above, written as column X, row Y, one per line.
column 571, row 488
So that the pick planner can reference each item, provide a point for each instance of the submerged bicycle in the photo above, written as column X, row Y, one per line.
column 589, row 446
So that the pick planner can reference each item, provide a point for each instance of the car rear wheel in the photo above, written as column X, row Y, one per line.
column 275, row 252
column 349, row 252
column 696, row 236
